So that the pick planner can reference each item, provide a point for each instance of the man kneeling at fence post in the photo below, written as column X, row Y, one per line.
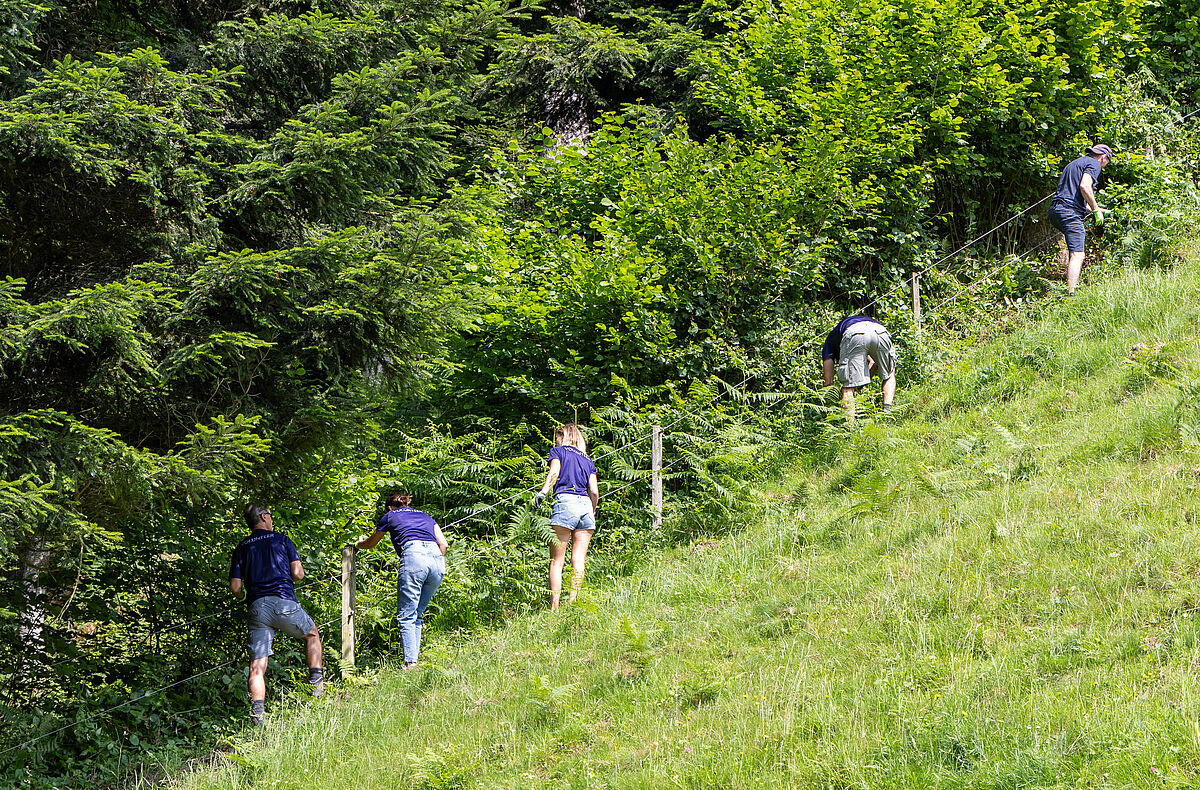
column 859, row 346
column 261, row 573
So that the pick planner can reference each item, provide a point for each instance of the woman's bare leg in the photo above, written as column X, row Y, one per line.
column 558, row 557
column 579, row 547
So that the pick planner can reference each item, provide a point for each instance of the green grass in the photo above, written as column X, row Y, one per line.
column 999, row 588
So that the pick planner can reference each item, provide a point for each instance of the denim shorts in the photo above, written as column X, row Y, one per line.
column 271, row 614
column 1070, row 223
column 573, row 511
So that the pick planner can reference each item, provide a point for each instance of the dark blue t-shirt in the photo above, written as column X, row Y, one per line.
column 263, row 562
column 405, row 524
column 574, row 469
column 1068, row 191
column 833, row 341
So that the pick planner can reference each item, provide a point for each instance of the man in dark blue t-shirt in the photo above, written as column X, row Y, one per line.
column 859, row 346
column 261, row 573
column 1074, row 198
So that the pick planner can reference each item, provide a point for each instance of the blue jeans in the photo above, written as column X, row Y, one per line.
column 422, row 567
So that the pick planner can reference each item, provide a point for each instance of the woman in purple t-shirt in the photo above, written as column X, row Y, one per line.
column 421, row 546
column 576, row 497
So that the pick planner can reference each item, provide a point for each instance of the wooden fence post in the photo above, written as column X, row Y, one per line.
column 916, row 291
column 349, row 566
column 656, row 482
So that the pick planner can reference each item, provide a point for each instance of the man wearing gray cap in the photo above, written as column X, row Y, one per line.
column 1074, row 197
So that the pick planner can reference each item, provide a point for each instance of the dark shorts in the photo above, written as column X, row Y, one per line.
column 1070, row 223
column 268, row 615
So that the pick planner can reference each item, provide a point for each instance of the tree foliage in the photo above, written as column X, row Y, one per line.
column 311, row 253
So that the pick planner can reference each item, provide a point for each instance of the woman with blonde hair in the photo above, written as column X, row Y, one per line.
column 421, row 546
column 572, row 475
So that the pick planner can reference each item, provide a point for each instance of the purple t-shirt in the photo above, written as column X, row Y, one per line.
column 833, row 341
column 405, row 524
column 1068, row 192
column 263, row 562
column 574, row 469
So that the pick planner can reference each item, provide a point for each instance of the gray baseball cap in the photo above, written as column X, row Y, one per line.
column 1100, row 149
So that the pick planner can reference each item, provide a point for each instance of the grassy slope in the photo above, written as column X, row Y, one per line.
column 999, row 589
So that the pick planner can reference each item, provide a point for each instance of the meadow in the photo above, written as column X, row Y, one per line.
column 994, row 586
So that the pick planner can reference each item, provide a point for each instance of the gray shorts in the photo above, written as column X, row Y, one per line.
column 862, row 341
column 268, row 615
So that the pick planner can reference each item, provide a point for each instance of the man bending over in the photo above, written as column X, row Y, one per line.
column 859, row 346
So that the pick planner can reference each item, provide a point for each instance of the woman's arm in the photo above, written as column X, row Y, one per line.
column 443, row 544
column 593, row 492
column 369, row 543
column 551, row 476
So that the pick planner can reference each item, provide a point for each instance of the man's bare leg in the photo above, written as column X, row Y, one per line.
column 848, row 394
column 257, row 684
column 312, row 649
column 1074, row 267
column 313, row 658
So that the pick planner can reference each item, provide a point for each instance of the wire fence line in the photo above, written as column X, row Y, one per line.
column 106, row 711
column 1008, row 260
column 224, row 610
column 694, row 412
column 640, row 479
column 958, row 293
column 458, row 561
column 493, row 505
column 1174, row 123
column 990, row 272
column 229, row 609
column 899, row 287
